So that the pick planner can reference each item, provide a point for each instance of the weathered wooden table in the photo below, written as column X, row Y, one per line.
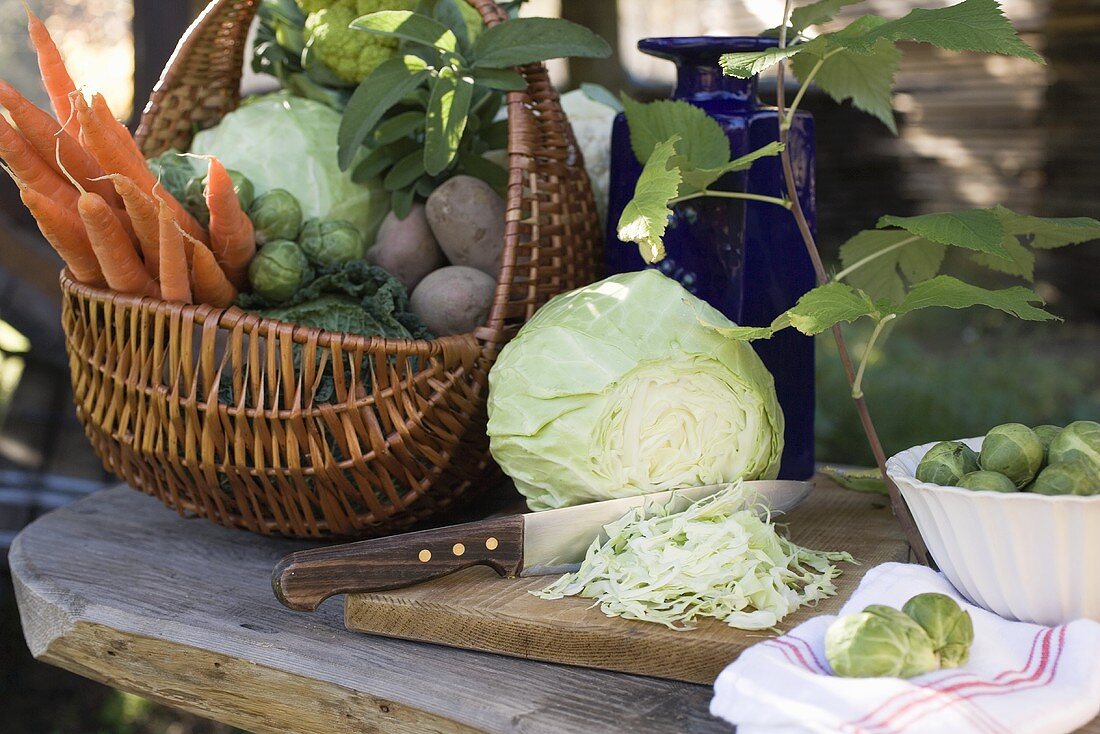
column 119, row 589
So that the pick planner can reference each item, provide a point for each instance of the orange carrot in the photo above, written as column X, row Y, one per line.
column 175, row 282
column 142, row 213
column 121, row 265
column 100, row 136
column 31, row 169
column 208, row 281
column 117, row 257
column 64, row 231
column 59, row 85
column 46, row 135
column 232, row 236
column 125, row 139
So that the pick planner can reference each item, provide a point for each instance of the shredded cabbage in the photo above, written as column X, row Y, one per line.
column 718, row 558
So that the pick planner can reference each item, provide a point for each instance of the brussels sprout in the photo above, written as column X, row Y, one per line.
column 195, row 199
column 278, row 270
column 1046, row 433
column 1068, row 477
column 946, row 463
column 1079, row 440
column 1014, row 450
column 195, row 194
column 276, row 215
column 989, row 481
column 949, row 627
column 879, row 641
column 331, row 242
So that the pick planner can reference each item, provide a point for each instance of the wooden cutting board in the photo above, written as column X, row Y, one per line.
column 476, row 609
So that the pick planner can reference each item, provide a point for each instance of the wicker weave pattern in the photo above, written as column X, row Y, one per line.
column 219, row 412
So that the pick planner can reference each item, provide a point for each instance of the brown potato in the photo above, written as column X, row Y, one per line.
column 453, row 300
column 406, row 248
column 467, row 218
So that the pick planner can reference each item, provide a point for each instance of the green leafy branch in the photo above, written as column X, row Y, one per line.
column 858, row 62
column 893, row 270
column 431, row 112
column 684, row 153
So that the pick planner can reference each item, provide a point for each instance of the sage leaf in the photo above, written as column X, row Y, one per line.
column 503, row 80
column 446, row 120
column 600, row 93
column 405, row 172
column 401, row 202
column 972, row 229
column 485, row 169
column 448, row 13
column 397, row 127
column 527, row 40
column 374, row 97
column 408, row 26
column 943, row 291
column 700, row 139
column 645, row 217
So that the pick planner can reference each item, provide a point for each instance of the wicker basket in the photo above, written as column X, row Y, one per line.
column 403, row 440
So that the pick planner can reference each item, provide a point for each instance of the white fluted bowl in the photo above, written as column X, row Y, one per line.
column 1031, row 557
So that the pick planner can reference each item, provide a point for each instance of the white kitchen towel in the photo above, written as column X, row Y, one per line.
column 1020, row 679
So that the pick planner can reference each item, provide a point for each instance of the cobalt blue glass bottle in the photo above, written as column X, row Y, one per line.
column 746, row 259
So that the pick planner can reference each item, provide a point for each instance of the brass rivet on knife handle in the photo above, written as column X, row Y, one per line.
column 304, row 579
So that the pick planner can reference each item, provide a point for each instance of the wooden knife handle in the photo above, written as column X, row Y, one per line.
column 304, row 579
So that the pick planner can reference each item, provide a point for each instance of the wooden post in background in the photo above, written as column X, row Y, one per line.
column 157, row 25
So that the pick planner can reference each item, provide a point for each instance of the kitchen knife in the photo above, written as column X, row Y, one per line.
column 531, row 544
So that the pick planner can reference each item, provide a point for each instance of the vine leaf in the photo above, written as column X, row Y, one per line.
column 697, row 179
column 744, row 64
column 1040, row 233
column 912, row 260
column 701, row 140
column 972, row 25
column 943, row 291
column 973, row 229
column 1020, row 261
column 828, row 305
column 866, row 79
column 816, row 13
column 1046, row 233
column 645, row 218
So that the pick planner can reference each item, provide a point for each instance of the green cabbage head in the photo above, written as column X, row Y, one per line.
column 284, row 142
column 624, row 387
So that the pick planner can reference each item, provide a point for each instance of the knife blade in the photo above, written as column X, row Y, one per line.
column 531, row 544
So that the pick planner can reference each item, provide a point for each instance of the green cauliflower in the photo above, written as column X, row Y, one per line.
column 351, row 55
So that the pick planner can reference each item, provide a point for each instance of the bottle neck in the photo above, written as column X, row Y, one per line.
column 707, row 82
column 699, row 77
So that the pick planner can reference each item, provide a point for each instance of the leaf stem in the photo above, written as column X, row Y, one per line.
column 896, row 501
column 732, row 195
column 857, row 385
column 877, row 253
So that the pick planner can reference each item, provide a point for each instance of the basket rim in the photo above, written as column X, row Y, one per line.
column 232, row 316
